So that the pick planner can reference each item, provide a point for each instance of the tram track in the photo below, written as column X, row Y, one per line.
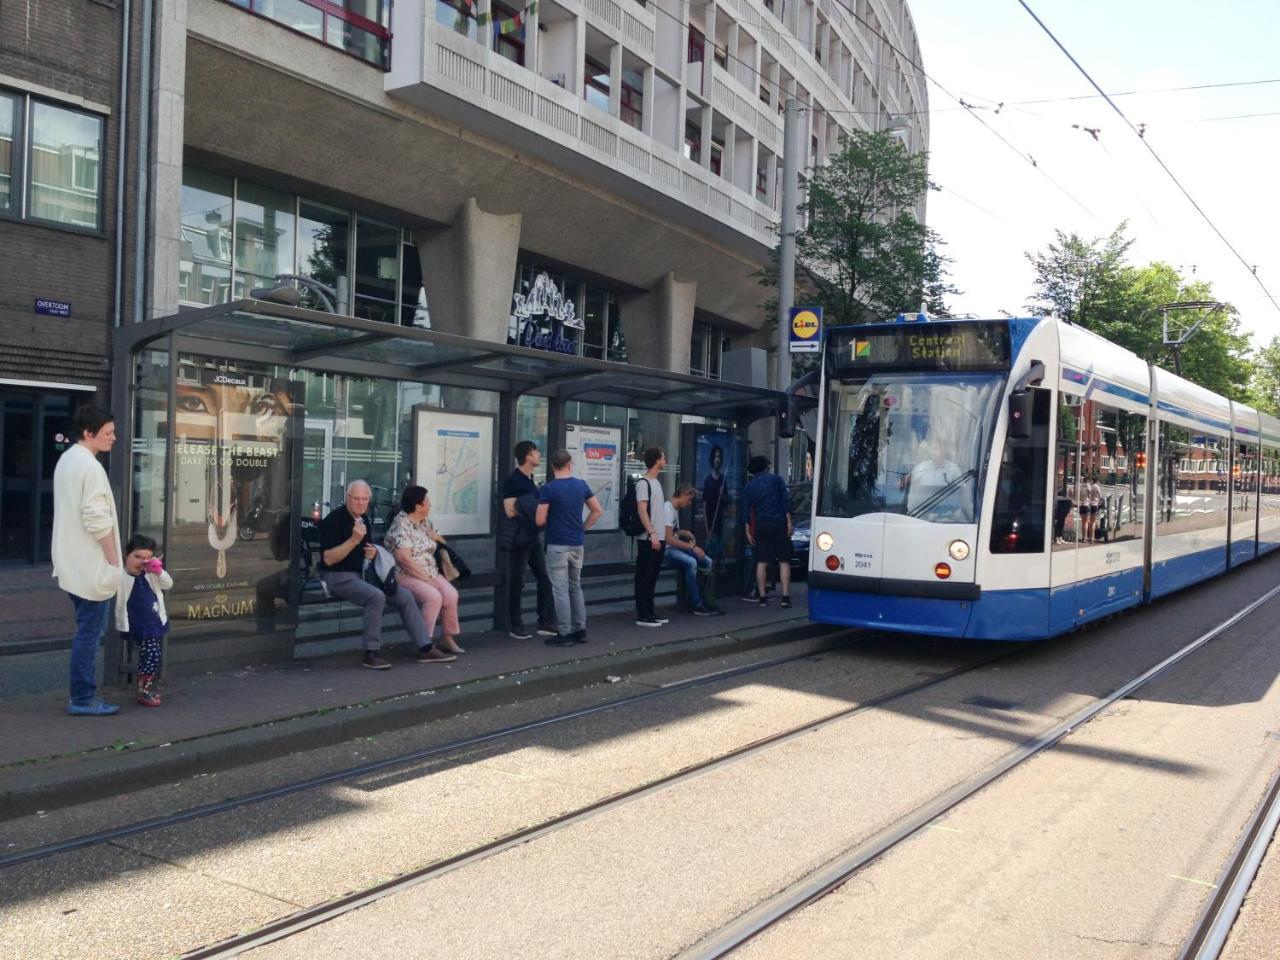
column 1209, row 937
column 231, row 804
column 1206, row 940
column 321, row 913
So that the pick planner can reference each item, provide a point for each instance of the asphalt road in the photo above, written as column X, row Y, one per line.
column 1105, row 846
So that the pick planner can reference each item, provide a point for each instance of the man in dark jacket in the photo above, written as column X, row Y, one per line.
column 518, row 537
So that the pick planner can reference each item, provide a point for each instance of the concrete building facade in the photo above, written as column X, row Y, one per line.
column 634, row 147
column 598, row 178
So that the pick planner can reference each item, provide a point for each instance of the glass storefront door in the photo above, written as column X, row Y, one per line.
column 35, row 428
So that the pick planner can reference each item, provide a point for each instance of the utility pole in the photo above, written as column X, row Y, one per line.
column 792, row 148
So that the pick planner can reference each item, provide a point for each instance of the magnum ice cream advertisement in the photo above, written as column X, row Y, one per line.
column 229, row 545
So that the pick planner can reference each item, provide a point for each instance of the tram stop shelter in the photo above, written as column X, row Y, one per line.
column 244, row 422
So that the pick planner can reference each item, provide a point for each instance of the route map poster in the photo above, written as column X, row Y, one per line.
column 454, row 460
column 597, row 459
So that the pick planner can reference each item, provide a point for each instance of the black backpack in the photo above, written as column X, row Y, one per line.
column 629, row 513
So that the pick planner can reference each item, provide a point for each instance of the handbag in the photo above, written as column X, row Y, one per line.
column 451, row 560
column 381, row 571
column 445, row 563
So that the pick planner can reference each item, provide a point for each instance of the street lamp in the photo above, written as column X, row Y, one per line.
column 284, row 291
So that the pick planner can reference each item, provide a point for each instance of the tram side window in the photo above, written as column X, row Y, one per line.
column 1244, row 477
column 1017, row 519
column 1193, row 483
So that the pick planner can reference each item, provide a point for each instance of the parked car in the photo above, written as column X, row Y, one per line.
column 801, row 523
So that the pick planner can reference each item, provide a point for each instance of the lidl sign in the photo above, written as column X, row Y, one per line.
column 806, row 329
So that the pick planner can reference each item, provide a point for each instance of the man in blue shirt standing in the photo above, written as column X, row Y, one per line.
column 560, row 503
column 769, row 527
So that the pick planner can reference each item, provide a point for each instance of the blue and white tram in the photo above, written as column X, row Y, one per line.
column 1014, row 479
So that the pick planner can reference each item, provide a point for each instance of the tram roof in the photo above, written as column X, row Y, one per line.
column 261, row 332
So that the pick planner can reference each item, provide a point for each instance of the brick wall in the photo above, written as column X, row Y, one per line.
column 72, row 48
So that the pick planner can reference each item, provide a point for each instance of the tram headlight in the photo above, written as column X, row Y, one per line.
column 825, row 541
column 958, row 550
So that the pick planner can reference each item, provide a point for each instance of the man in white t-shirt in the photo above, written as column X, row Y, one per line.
column 683, row 552
column 930, row 476
column 649, row 543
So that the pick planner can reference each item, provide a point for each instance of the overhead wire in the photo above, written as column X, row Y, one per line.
column 1150, row 149
column 875, row 31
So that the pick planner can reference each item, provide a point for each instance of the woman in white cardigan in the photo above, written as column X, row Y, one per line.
column 86, row 550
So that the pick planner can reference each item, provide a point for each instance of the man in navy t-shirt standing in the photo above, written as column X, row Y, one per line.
column 518, row 536
column 560, row 503
column 769, row 502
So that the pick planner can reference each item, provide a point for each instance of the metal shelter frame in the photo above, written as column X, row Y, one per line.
column 260, row 332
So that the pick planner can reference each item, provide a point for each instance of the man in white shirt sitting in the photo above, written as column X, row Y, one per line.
column 683, row 552
column 930, row 476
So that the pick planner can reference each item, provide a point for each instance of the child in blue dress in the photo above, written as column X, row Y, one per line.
column 140, row 611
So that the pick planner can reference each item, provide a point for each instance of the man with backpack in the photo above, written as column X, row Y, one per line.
column 518, row 537
column 649, row 539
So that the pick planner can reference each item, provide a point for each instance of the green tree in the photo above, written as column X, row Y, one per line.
column 862, row 254
column 1078, row 280
column 1264, row 385
column 1088, row 283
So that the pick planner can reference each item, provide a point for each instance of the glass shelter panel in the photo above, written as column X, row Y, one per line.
column 232, row 471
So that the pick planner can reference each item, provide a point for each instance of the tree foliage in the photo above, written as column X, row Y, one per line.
column 1264, row 386
column 862, row 253
column 1089, row 283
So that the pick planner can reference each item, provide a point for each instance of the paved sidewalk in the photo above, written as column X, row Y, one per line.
column 49, row 759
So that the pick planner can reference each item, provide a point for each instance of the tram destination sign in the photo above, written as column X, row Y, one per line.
column 919, row 346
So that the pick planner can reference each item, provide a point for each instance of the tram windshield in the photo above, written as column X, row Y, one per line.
column 907, row 443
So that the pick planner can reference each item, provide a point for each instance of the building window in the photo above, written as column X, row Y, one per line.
column 264, row 231
column 372, row 267
column 204, row 266
column 596, row 86
column 508, row 33
column 705, row 348
column 693, row 141
column 377, row 271
column 8, row 134
column 51, row 158
column 762, row 182
column 361, row 28
column 459, row 16
column 595, row 330
column 697, row 45
column 717, row 156
column 324, row 240
column 632, row 98
column 721, row 55
column 413, row 295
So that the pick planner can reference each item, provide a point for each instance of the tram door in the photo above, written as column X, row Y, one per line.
column 1067, row 525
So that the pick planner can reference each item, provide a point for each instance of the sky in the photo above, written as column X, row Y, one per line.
column 1223, row 145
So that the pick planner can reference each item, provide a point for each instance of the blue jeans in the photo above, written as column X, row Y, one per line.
column 91, row 624
column 689, row 563
column 564, row 565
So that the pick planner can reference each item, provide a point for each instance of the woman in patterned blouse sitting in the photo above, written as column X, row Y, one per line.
column 412, row 540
